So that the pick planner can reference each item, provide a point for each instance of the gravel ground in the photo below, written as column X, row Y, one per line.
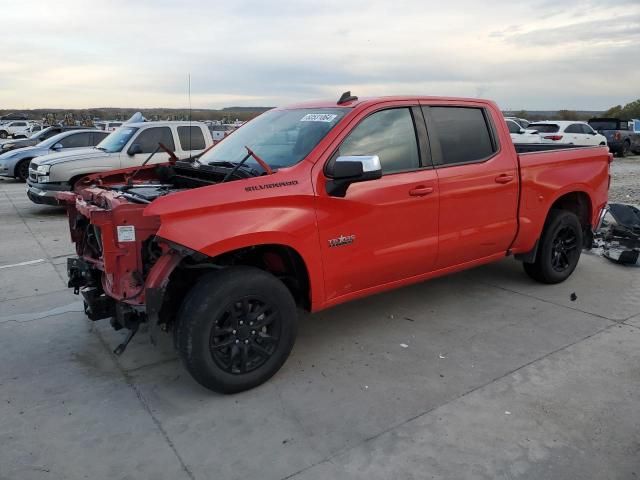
column 625, row 184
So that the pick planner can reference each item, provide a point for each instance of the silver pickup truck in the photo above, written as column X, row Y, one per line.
column 129, row 146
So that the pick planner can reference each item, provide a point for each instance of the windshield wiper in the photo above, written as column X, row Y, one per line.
column 100, row 148
column 250, row 153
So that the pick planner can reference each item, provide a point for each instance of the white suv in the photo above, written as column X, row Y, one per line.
column 573, row 133
column 15, row 128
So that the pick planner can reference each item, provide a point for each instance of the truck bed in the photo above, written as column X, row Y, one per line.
column 544, row 147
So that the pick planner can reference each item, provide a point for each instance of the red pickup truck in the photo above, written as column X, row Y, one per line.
column 316, row 204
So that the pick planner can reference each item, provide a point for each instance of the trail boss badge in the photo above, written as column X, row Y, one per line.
column 342, row 240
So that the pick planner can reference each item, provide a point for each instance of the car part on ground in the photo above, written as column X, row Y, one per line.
column 619, row 233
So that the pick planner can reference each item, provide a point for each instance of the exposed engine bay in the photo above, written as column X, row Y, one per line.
column 181, row 175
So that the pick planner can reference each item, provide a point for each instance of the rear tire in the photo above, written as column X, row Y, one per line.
column 559, row 248
column 625, row 150
column 236, row 328
column 3, row 134
column 22, row 170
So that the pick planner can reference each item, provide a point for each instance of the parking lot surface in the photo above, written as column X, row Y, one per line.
column 482, row 374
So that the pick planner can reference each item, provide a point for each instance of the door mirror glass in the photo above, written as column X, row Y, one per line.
column 345, row 170
column 135, row 149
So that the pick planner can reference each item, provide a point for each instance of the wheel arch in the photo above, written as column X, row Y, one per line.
column 280, row 259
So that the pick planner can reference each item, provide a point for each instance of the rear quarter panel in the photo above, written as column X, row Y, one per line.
column 547, row 176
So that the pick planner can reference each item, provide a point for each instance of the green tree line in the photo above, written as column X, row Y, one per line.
column 629, row 111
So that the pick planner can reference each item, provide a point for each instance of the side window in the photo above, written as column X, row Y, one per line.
column 587, row 129
column 97, row 137
column 191, row 138
column 150, row 138
column 463, row 134
column 513, row 127
column 76, row 140
column 573, row 128
column 390, row 135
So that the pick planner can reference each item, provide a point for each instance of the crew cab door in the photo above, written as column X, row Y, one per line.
column 383, row 230
column 478, row 181
column 144, row 143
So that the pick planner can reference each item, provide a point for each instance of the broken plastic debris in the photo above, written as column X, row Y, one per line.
column 573, row 297
column 404, row 345
column 442, row 356
column 507, row 412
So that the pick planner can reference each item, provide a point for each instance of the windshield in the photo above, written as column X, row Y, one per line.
column 40, row 134
column 544, row 127
column 116, row 141
column 280, row 137
column 604, row 124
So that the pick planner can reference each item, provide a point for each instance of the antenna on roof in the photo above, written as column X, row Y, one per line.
column 347, row 97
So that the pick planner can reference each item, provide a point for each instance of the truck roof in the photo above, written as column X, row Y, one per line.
column 373, row 100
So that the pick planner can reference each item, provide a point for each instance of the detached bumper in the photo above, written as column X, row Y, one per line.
column 45, row 193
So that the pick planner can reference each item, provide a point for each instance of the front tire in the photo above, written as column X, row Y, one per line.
column 3, row 134
column 236, row 328
column 22, row 170
column 559, row 249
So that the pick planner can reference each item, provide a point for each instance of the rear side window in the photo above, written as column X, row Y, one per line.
column 463, row 134
column 76, row 140
column 191, row 138
column 586, row 129
column 151, row 137
column 544, row 127
column 390, row 135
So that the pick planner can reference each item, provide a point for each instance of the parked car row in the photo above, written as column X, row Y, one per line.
column 619, row 135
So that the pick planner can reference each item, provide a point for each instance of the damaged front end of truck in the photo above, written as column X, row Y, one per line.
column 122, row 267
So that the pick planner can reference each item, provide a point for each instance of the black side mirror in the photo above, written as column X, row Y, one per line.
column 344, row 171
column 135, row 149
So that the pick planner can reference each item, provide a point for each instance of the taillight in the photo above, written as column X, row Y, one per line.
column 617, row 136
column 553, row 137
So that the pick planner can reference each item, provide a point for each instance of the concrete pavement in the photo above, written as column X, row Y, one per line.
column 483, row 374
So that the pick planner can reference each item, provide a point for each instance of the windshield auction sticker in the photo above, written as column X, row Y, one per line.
column 318, row 117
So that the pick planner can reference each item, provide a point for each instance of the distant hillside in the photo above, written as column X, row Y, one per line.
column 246, row 109
column 109, row 113
column 553, row 114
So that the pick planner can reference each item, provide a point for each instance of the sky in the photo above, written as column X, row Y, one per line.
column 535, row 55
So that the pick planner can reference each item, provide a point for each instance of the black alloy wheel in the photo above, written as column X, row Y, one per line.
column 236, row 328
column 245, row 335
column 563, row 251
column 559, row 248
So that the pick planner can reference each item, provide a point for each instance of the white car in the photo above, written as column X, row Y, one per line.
column 520, row 135
column 523, row 122
column 129, row 146
column 15, row 128
column 569, row 132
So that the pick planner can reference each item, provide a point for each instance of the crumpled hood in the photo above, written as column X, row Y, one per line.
column 70, row 156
